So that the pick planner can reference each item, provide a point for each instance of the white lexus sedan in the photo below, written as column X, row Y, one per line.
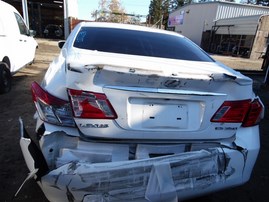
column 133, row 113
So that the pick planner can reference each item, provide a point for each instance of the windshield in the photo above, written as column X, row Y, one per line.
column 139, row 43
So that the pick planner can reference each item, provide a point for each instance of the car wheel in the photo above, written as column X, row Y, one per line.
column 32, row 62
column 5, row 78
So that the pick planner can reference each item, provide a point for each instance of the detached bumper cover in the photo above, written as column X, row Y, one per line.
column 155, row 179
column 167, row 178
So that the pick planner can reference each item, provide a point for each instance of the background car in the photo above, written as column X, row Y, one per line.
column 17, row 45
column 53, row 31
column 134, row 113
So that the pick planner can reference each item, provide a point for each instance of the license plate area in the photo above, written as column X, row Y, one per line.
column 162, row 114
column 156, row 115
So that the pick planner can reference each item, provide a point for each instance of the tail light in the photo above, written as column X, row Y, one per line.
column 91, row 105
column 254, row 115
column 244, row 111
column 50, row 108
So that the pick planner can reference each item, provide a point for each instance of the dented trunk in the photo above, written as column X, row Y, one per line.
column 155, row 98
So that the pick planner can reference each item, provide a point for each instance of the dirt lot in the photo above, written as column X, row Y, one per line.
column 18, row 103
column 239, row 63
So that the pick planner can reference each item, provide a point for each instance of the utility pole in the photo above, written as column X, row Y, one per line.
column 265, row 66
column 25, row 12
column 66, row 20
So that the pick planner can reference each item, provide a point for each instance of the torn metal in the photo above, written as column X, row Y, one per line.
column 102, row 177
column 139, row 179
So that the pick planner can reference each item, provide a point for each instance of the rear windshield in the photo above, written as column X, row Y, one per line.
column 139, row 43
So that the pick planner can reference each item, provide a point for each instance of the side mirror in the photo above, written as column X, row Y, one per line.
column 61, row 44
column 32, row 33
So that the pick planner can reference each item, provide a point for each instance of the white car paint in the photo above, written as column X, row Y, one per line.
column 167, row 130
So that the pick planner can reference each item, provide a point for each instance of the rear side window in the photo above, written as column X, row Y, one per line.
column 139, row 43
column 23, row 29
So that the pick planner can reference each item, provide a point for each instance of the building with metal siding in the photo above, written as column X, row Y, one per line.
column 231, row 10
column 246, row 25
column 245, row 36
column 195, row 19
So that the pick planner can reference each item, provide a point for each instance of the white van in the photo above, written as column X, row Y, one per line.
column 17, row 45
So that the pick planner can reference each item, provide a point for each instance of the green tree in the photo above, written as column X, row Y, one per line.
column 117, row 12
column 156, row 11
column 159, row 10
column 109, row 11
column 175, row 4
column 262, row 2
column 102, row 13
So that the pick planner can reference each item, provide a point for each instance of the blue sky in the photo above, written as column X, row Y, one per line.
column 139, row 7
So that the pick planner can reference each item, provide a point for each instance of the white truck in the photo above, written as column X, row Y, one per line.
column 17, row 45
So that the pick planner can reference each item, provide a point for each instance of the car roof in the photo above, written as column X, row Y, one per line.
column 6, row 6
column 127, row 26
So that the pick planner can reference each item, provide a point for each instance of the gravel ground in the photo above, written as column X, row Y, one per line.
column 239, row 63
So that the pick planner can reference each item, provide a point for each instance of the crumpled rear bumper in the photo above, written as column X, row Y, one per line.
column 158, row 179
column 167, row 178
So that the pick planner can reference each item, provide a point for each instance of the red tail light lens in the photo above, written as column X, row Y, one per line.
column 232, row 111
column 254, row 115
column 91, row 105
column 244, row 111
column 50, row 108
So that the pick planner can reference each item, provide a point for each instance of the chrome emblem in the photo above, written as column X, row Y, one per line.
column 89, row 125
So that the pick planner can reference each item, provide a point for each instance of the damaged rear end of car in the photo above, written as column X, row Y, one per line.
column 115, row 124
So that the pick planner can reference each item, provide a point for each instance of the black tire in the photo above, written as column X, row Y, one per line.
column 5, row 78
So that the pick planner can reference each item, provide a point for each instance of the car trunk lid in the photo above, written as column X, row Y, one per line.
column 158, row 98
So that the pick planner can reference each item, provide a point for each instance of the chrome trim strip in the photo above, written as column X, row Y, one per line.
column 164, row 91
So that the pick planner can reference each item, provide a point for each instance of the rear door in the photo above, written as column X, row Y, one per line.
column 2, row 37
column 25, row 49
